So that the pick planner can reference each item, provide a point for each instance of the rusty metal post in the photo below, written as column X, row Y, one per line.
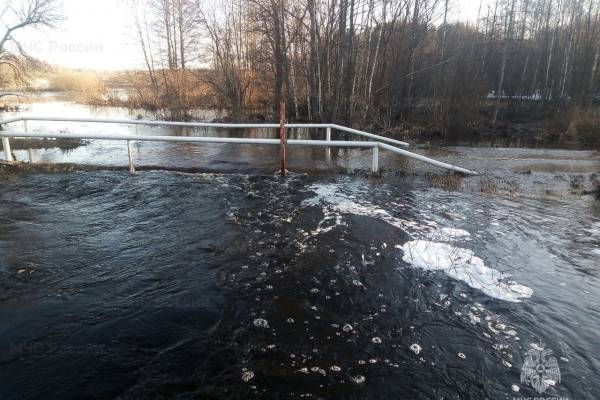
column 282, row 138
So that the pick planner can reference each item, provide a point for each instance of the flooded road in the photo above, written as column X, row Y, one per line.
column 326, row 286
column 204, row 156
column 499, row 163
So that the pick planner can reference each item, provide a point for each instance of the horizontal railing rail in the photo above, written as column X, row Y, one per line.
column 217, row 125
column 426, row 159
column 374, row 145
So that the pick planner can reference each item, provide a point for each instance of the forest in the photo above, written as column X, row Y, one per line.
column 372, row 62
column 387, row 65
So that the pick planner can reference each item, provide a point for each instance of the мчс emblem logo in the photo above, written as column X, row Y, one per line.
column 540, row 370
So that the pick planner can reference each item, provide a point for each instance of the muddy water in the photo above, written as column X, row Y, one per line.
column 172, row 285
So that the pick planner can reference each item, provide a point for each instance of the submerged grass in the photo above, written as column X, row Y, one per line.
column 487, row 186
column 450, row 182
column 59, row 143
column 10, row 170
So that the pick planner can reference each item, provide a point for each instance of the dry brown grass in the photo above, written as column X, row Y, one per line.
column 11, row 170
column 172, row 92
column 513, row 189
column 84, row 85
column 487, row 186
column 578, row 124
column 451, row 182
column 60, row 143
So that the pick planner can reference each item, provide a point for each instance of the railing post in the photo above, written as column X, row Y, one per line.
column 328, row 149
column 7, row 153
column 129, row 155
column 282, row 138
column 375, row 164
column 30, row 150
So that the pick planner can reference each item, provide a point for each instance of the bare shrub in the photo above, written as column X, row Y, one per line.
column 582, row 125
column 86, row 86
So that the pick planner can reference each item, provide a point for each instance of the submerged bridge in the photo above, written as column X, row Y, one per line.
column 374, row 142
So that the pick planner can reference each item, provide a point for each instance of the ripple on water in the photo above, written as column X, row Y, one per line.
column 460, row 264
column 307, row 314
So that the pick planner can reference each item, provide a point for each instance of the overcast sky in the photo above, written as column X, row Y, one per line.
column 98, row 34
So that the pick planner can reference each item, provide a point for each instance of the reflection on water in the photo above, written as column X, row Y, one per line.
column 182, row 155
column 497, row 162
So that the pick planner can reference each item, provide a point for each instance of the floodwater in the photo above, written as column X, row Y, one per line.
column 202, row 156
column 326, row 286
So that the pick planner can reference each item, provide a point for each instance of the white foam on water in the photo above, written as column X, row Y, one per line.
column 462, row 264
column 415, row 348
column 335, row 202
column 454, row 232
column 434, row 254
column 247, row 376
column 450, row 234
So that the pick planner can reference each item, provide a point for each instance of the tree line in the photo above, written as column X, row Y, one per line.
column 373, row 62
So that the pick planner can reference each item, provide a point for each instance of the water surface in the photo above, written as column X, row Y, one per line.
column 175, row 285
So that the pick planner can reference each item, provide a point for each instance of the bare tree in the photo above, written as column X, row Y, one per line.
column 231, row 76
column 505, row 54
column 17, row 16
column 378, row 62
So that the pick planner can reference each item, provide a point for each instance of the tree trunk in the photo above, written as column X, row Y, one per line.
column 505, row 54
column 342, row 49
column 312, row 67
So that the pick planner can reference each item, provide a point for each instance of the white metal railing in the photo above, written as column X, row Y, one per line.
column 379, row 142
